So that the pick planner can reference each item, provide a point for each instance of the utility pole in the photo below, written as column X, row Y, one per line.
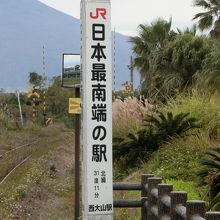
column 114, row 56
column 19, row 104
column 77, row 159
column 74, row 108
column 131, row 68
column 132, row 75
column 44, row 85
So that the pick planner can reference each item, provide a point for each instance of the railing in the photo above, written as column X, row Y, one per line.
column 159, row 201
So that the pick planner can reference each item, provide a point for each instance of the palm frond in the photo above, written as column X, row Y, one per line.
column 205, row 22
column 210, row 164
column 202, row 3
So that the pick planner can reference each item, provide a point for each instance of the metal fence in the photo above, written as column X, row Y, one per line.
column 159, row 202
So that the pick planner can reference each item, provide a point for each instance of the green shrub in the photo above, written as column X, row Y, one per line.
column 135, row 147
column 167, row 126
column 205, row 109
column 179, row 158
column 210, row 176
column 188, row 186
column 20, row 192
column 159, row 129
column 214, row 204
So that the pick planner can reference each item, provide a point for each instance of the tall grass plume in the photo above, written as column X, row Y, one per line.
column 128, row 114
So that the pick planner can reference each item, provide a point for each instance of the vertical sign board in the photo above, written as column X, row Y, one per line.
column 97, row 110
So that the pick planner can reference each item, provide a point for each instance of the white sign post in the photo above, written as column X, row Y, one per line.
column 97, row 110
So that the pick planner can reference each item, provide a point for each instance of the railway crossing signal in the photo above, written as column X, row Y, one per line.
column 33, row 92
column 127, row 87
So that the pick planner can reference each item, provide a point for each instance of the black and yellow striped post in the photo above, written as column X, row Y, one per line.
column 44, row 84
column 33, row 93
column 44, row 104
column 34, row 110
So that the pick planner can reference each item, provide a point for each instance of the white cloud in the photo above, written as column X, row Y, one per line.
column 128, row 14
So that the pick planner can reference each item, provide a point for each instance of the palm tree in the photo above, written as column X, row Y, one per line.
column 192, row 30
column 178, row 61
column 210, row 19
column 135, row 147
column 149, row 40
column 167, row 126
column 209, row 76
column 159, row 129
column 35, row 79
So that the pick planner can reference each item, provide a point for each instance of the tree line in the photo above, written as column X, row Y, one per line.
column 171, row 61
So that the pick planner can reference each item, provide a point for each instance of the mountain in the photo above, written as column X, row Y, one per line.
column 28, row 25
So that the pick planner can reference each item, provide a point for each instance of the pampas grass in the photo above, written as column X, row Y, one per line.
column 128, row 114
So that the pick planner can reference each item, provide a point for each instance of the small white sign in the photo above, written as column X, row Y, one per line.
column 97, row 108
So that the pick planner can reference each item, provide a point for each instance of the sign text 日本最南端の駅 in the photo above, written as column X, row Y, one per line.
column 97, row 107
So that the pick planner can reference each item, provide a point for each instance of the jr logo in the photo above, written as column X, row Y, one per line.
column 99, row 12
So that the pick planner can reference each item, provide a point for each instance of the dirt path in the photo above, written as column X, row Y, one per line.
column 46, row 189
column 53, row 197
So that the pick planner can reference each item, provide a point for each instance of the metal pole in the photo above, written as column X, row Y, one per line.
column 19, row 104
column 132, row 75
column 114, row 63
column 34, row 110
column 44, row 86
column 77, row 160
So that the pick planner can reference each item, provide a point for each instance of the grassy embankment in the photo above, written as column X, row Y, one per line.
column 177, row 160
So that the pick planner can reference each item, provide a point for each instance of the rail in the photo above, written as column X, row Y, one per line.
column 17, row 148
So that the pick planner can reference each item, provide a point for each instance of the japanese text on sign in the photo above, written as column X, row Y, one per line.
column 98, row 108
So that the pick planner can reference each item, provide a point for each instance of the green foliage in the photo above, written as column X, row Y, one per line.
column 210, row 176
column 215, row 203
column 158, row 130
column 20, row 192
column 210, row 17
column 177, row 62
column 168, row 61
column 9, row 113
column 168, row 126
column 202, row 107
column 208, row 77
column 135, row 147
column 149, row 40
column 188, row 30
column 178, row 159
column 58, row 101
column 188, row 186
column 35, row 79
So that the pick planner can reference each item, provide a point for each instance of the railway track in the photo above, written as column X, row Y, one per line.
column 10, row 165
column 17, row 148
column 14, row 165
column 13, row 170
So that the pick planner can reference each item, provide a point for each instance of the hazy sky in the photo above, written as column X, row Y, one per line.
column 127, row 14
